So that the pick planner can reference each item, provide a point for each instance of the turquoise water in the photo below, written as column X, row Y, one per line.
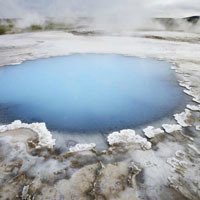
column 88, row 92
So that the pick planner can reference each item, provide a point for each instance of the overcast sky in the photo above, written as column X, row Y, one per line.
column 19, row 8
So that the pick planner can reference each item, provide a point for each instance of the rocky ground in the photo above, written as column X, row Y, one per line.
column 162, row 162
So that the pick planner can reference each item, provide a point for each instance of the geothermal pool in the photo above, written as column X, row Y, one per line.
column 88, row 92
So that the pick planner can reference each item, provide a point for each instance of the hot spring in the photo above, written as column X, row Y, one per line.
column 88, row 92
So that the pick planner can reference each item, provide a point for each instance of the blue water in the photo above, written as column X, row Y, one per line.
column 88, row 92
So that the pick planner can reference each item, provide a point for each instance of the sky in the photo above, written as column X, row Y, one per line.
column 103, row 12
column 19, row 8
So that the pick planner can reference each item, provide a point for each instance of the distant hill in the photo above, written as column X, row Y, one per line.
column 175, row 22
column 193, row 19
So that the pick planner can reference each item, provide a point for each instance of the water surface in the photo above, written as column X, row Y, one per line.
column 88, row 92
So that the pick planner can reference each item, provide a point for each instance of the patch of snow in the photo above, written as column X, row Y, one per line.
column 82, row 147
column 194, row 149
column 151, row 132
column 193, row 94
column 188, row 92
column 173, row 67
column 197, row 100
column 44, row 135
column 193, row 107
column 128, row 136
column 198, row 127
column 185, row 85
column 170, row 128
column 183, row 118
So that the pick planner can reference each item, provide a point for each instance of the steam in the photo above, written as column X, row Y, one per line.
column 112, row 14
column 104, row 14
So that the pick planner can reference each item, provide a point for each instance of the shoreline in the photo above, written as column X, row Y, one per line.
column 156, row 123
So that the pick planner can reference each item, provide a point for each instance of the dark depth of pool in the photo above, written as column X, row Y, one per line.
column 88, row 92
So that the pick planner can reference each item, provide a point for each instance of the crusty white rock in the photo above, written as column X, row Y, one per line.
column 183, row 118
column 170, row 128
column 193, row 107
column 44, row 136
column 151, row 132
column 128, row 136
column 82, row 147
